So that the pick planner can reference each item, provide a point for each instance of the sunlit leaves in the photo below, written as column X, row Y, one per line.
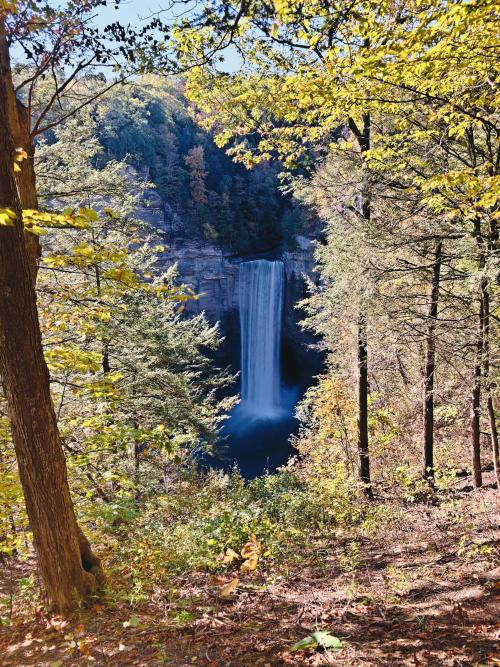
column 250, row 553
column 7, row 217
column 38, row 222
column 20, row 155
column 319, row 639
column 425, row 72
column 12, row 512
column 72, row 359
column 9, row 6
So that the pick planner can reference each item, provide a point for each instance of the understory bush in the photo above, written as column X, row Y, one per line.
column 205, row 520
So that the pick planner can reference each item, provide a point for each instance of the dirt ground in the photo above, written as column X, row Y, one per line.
column 425, row 592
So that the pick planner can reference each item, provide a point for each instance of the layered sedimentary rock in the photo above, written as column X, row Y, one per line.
column 210, row 273
column 213, row 274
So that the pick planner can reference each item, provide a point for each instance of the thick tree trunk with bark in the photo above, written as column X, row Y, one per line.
column 430, row 366
column 25, row 178
column 69, row 569
column 19, row 124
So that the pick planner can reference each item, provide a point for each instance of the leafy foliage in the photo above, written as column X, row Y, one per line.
column 382, row 120
column 206, row 195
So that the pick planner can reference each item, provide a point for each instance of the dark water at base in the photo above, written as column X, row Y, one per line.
column 254, row 444
column 265, row 344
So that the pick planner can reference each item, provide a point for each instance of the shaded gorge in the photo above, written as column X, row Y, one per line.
column 256, row 436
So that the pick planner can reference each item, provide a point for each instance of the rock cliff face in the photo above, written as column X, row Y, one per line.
column 213, row 274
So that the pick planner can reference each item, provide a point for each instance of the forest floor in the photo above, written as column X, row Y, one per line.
column 426, row 591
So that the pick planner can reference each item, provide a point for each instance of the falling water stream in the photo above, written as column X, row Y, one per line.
column 256, row 436
column 261, row 304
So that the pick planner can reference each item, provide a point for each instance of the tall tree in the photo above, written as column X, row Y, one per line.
column 69, row 569
column 60, row 44
column 430, row 364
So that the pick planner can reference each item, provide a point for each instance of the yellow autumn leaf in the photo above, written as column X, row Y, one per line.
column 21, row 155
column 250, row 564
column 250, row 552
column 229, row 588
column 7, row 217
column 230, row 556
column 251, row 547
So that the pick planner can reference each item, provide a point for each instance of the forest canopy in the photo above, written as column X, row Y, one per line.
column 352, row 153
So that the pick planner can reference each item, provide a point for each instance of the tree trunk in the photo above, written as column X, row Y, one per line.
column 363, row 392
column 69, row 569
column 19, row 123
column 485, row 294
column 363, row 138
column 430, row 367
column 478, row 365
column 476, row 403
column 26, row 183
column 494, row 438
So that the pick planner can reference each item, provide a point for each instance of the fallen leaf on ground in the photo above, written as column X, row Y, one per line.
column 229, row 588
column 323, row 639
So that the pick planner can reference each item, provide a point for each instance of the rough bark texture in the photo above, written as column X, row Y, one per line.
column 18, row 119
column 363, row 138
column 26, row 182
column 68, row 568
column 430, row 367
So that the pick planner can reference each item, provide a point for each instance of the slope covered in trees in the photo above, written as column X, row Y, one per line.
column 206, row 195
column 378, row 542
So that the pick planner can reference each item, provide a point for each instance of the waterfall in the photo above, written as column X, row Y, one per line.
column 261, row 304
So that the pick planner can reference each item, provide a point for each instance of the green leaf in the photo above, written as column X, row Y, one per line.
column 89, row 213
column 323, row 639
column 133, row 622
column 303, row 644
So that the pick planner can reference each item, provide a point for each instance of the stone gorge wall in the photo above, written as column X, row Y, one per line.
column 213, row 274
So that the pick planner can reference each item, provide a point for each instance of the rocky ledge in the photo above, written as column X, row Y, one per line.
column 213, row 274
